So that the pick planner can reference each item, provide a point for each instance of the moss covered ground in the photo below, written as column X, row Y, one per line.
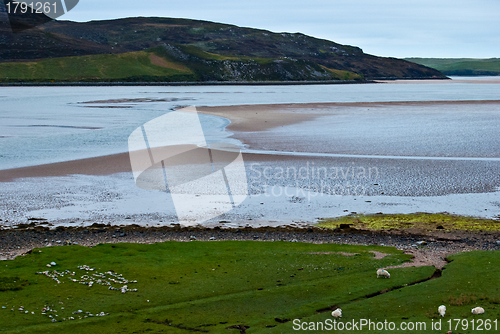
column 423, row 221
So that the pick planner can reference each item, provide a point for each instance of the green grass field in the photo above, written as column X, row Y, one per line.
column 236, row 286
column 461, row 66
column 139, row 66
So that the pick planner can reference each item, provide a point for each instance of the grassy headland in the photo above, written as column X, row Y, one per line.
column 461, row 66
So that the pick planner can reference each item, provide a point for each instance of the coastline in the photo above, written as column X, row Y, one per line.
column 198, row 83
column 436, row 245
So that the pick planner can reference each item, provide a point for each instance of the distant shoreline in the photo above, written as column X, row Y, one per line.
column 208, row 83
column 186, row 83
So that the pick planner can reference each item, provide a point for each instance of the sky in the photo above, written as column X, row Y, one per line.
column 404, row 28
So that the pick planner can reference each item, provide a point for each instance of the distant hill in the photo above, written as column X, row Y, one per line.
column 167, row 49
column 461, row 66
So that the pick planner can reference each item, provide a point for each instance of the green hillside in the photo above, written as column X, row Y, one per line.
column 205, row 51
column 139, row 65
column 461, row 66
column 186, row 64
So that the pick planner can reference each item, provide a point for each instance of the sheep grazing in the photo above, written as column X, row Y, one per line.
column 337, row 313
column 383, row 273
column 442, row 310
column 477, row 310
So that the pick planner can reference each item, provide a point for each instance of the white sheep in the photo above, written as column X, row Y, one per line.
column 337, row 313
column 383, row 273
column 442, row 310
column 477, row 310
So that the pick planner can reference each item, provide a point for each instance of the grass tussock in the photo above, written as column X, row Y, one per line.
column 463, row 299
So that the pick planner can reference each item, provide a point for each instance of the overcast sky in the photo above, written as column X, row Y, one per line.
column 404, row 28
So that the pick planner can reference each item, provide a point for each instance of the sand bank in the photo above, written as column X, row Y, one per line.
column 250, row 118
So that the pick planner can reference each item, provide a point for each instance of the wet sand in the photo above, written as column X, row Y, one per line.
column 471, row 80
column 373, row 177
column 251, row 118
column 105, row 165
